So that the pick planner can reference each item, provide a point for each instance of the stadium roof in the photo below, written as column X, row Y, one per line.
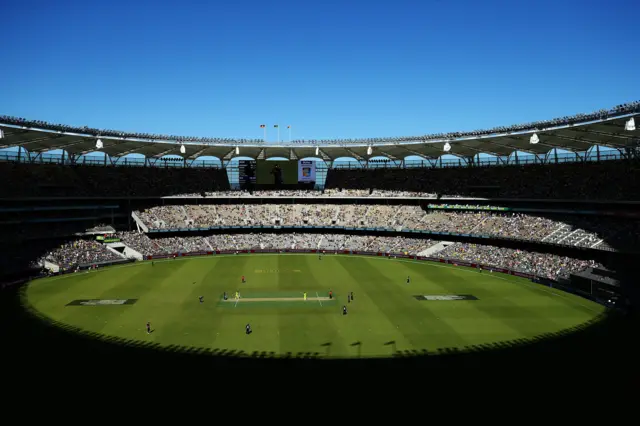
column 577, row 133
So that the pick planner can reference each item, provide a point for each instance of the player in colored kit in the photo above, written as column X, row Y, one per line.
column 148, row 327
column 237, row 295
column 352, row 296
column 330, row 294
column 344, row 310
column 348, row 298
column 305, row 296
column 201, row 298
column 408, row 279
column 247, row 329
column 243, row 280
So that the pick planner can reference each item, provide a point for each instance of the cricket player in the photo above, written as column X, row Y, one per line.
column 305, row 296
column 148, row 327
column 237, row 295
column 201, row 299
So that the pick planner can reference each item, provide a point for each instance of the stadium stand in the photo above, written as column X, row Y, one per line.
column 45, row 180
column 541, row 264
column 608, row 180
column 579, row 231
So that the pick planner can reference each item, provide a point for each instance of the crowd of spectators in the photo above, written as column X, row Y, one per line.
column 603, row 232
column 538, row 125
column 258, row 241
column 606, row 180
column 80, row 252
column 541, row 264
column 85, row 130
column 359, row 193
column 45, row 180
column 139, row 242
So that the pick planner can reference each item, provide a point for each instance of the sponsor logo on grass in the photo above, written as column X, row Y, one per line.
column 437, row 297
column 102, row 302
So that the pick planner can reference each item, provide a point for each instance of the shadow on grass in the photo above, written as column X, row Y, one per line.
column 31, row 334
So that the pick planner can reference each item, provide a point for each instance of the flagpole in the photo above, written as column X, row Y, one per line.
column 278, row 133
column 289, row 134
column 265, row 134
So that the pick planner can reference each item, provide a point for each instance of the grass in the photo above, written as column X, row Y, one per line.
column 384, row 316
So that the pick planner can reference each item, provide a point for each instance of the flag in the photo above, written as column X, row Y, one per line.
column 262, row 126
column 288, row 127
column 275, row 125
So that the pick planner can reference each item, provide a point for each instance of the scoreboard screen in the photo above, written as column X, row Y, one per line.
column 247, row 171
column 272, row 172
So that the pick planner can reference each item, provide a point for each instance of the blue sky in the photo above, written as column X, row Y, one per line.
column 330, row 69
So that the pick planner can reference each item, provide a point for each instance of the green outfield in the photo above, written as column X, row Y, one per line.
column 386, row 314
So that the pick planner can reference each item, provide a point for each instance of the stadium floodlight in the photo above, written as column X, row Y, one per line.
column 317, row 150
column 183, row 149
column 534, row 139
column 369, row 150
column 237, row 150
column 447, row 147
column 629, row 126
column 99, row 144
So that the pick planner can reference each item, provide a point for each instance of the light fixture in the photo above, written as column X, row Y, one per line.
column 369, row 150
column 182, row 149
column 99, row 144
column 629, row 126
column 237, row 150
column 447, row 147
column 534, row 139
column 317, row 150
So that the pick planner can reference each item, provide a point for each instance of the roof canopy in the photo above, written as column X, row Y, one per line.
column 579, row 133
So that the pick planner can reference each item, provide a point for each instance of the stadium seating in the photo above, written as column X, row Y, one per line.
column 607, row 180
column 580, row 231
column 541, row 264
column 96, row 181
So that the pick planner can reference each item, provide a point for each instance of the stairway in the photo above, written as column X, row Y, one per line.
column 431, row 251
